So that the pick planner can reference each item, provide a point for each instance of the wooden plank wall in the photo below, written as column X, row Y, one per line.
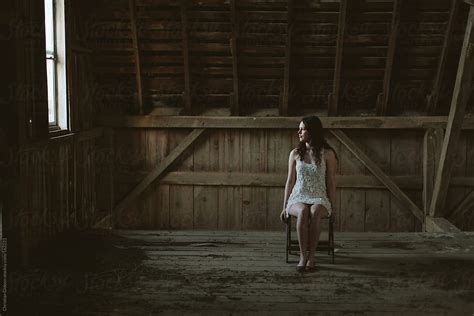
column 56, row 190
column 463, row 165
column 55, row 182
column 257, row 207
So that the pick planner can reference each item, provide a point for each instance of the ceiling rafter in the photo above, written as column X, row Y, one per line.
column 433, row 98
column 383, row 99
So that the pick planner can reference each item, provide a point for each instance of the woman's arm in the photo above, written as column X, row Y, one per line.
column 290, row 180
column 331, row 165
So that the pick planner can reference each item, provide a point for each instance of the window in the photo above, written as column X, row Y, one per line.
column 56, row 65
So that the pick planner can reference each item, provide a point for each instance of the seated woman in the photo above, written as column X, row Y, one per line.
column 312, row 183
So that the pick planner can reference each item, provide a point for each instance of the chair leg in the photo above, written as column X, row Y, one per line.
column 329, row 239
column 287, row 238
column 331, row 228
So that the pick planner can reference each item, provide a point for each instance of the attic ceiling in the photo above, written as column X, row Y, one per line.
column 274, row 57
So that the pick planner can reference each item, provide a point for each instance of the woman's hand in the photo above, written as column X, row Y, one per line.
column 283, row 217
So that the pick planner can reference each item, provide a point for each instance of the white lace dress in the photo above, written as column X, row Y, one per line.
column 310, row 185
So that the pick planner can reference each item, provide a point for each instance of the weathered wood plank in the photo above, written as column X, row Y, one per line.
column 468, row 220
column 389, row 122
column 181, row 207
column 254, row 160
column 277, row 180
column 185, row 50
column 383, row 105
column 278, row 149
column 456, row 195
column 461, row 95
column 440, row 225
column 235, row 106
column 352, row 206
column 337, row 146
column 287, row 70
column 158, row 170
column 206, row 158
column 432, row 104
column 377, row 202
column 230, row 198
column 341, row 32
column 432, row 143
column 137, row 55
column 466, row 206
column 378, row 173
column 161, row 194
column 405, row 160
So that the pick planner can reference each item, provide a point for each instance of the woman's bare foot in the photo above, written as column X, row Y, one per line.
column 311, row 264
column 302, row 264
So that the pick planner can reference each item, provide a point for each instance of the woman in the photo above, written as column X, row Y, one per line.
column 312, row 183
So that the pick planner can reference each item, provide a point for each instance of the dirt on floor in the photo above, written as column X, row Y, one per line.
column 86, row 273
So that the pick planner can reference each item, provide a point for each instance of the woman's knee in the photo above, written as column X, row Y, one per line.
column 302, row 211
column 318, row 211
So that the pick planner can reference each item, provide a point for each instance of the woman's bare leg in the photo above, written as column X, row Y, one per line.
column 317, row 211
column 301, row 212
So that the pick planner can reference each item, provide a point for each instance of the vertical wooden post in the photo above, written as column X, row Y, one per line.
column 187, row 80
column 432, row 143
column 384, row 97
column 286, row 79
column 461, row 94
column 136, row 52
column 335, row 95
column 235, row 106
column 432, row 104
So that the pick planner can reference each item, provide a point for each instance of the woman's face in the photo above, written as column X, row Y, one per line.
column 303, row 133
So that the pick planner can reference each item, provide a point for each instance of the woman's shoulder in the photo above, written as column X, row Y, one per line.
column 294, row 153
column 329, row 154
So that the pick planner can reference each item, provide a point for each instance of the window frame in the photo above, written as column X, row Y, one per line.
column 60, row 101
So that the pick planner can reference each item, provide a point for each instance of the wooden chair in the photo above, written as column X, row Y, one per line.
column 292, row 246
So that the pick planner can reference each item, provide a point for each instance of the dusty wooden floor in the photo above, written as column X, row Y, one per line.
column 186, row 272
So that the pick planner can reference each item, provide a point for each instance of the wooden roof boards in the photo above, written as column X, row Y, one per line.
column 249, row 42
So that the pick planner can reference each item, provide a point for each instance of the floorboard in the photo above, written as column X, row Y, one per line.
column 136, row 272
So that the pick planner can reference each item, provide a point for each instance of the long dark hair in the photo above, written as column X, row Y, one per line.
column 317, row 139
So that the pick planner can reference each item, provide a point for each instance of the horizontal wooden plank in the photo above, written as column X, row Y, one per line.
column 389, row 122
column 278, row 180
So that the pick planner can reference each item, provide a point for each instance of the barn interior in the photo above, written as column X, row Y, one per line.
column 145, row 151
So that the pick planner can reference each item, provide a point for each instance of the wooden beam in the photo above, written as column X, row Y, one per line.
column 187, row 80
column 287, row 74
column 379, row 174
column 235, row 105
column 277, row 180
column 158, row 170
column 432, row 143
column 155, row 173
column 463, row 207
column 461, row 95
column 267, row 180
column 384, row 98
column 341, row 31
column 432, row 104
column 136, row 53
column 390, row 122
column 441, row 225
